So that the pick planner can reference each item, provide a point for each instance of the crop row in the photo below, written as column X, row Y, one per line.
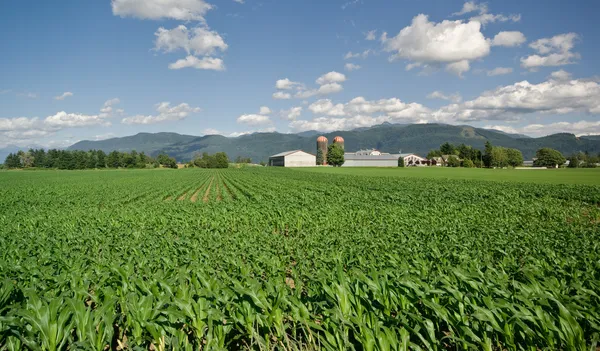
column 281, row 259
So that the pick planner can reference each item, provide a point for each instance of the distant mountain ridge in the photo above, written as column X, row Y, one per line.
column 393, row 138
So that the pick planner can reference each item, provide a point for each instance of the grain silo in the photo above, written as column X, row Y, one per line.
column 339, row 141
column 322, row 145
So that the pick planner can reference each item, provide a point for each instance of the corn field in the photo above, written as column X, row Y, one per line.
column 276, row 259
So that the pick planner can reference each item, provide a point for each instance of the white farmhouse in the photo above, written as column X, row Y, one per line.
column 295, row 158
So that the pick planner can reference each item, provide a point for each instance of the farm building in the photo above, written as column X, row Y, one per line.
column 413, row 160
column 295, row 158
column 369, row 158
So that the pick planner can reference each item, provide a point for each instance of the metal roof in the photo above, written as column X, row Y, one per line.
column 370, row 157
column 287, row 153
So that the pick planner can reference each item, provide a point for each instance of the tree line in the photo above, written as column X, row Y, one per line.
column 218, row 160
column 501, row 157
column 92, row 159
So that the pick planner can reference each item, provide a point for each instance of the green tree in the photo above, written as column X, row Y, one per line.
column 447, row 149
column 547, row 157
column 401, row 162
column 487, row 156
column 499, row 157
column 319, row 157
column 515, row 157
column 335, row 155
column 12, row 161
column 453, row 161
column 573, row 161
column 468, row 163
column 221, row 160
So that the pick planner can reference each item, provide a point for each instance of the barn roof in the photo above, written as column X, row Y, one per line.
column 287, row 153
column 370, row 157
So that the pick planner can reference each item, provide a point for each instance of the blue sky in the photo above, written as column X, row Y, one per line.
column 74, row 70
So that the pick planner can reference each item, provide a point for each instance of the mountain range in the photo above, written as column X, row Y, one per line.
column 392, row 138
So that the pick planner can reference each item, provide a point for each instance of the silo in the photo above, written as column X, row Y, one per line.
column 322, row 145
column 339, row 140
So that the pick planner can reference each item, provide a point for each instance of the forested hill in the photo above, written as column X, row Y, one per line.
column 416, row 138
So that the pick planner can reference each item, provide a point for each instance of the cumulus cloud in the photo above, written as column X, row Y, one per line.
column 292, row 114
column 555, row 51
column 440, row 95
column 499, row 71
column 509, row 39
column 326, row 107
column 69, row 120
column 560, row 75
column 521, row 98
column 280, row 95
column 264, row 110
column 286, row 84
column 454, row 43
column 331, row 77
column 254, row 120
column 210, row 63
column 351, row 67
column 166, row 113
column 64, row 95
column 199, row 41
column 359, row 112
column 182, row 10
column 329, row 88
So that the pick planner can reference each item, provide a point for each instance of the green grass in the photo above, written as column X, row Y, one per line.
column 550, row 176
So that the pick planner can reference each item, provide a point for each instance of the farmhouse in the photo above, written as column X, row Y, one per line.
column 295, row 158
column 413, row 160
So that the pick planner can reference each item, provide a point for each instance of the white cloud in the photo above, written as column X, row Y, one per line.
column 471, row 6
column 64, row 95
column 165, row 113
column 239, row 1
column 555, row 51
column 358, row 113
column 453, row 43
column 182, row 10
column 486, row 18
column 364, row 54
column 18, row 123
column 264, row 110
column 326, row 107
column 211, row 63
column 371, row 35
column 512, row 101
column 331, row 77
column 254, row 120
column 351, row 67
column 69, row 120
column 560, row 75
column 200, row 40
column 5, row 91
column 286, row 84
column 578, row 128
column 440, row 95
column 459, row 67
column 28, row 95
column 292, row 114
column 329, row 88
column 305, row 94
column 499, row 71
column 509, row 39
column 107, row 109
column 280, row 95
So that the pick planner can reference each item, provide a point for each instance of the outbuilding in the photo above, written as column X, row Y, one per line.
column 295, row 158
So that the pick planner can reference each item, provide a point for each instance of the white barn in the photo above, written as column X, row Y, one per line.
column 295, row 158
column 413, row 160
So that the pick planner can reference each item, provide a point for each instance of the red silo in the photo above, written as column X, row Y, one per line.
column 322, row 145
column 339, row 140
